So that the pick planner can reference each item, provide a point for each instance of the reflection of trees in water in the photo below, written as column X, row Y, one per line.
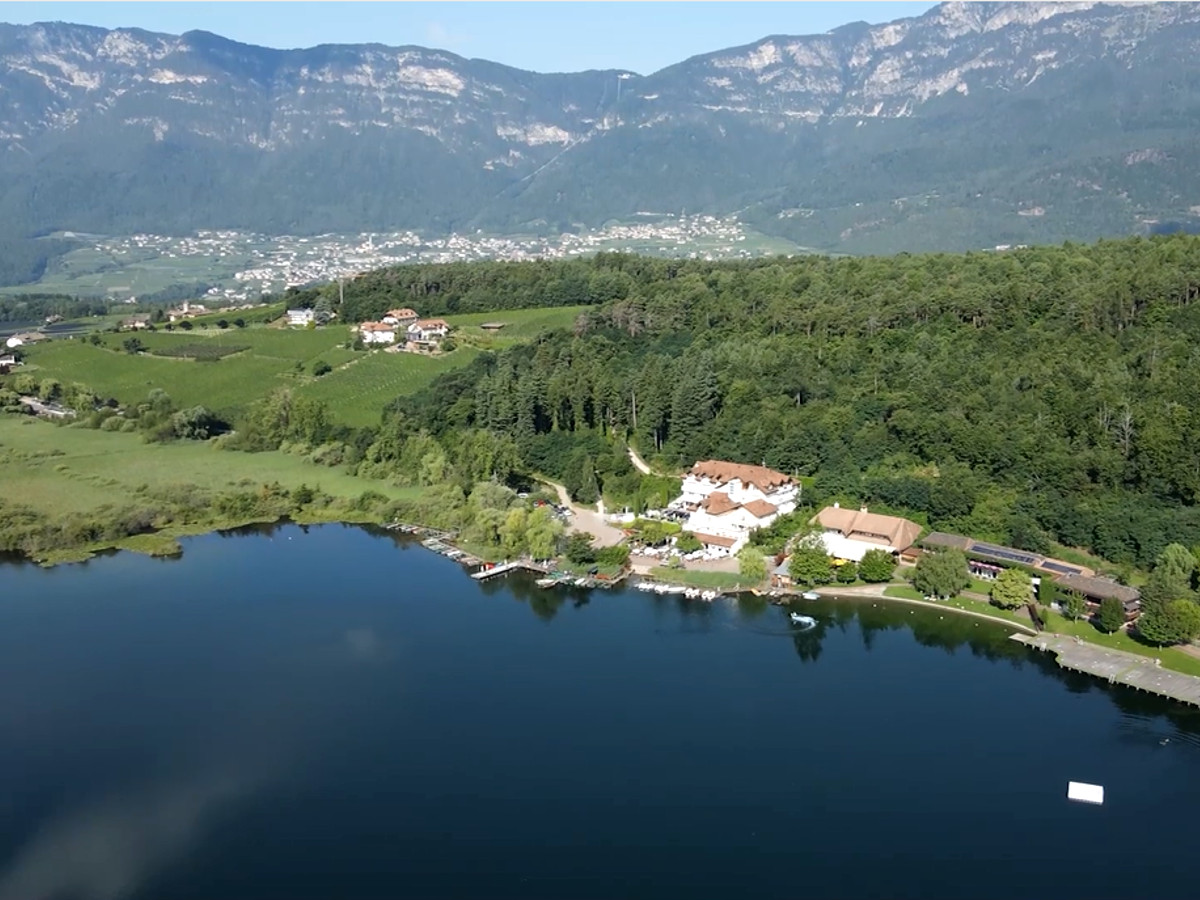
column 545, row 604
column 750, row 607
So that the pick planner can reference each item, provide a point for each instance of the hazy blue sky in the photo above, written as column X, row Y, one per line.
column 545, row 37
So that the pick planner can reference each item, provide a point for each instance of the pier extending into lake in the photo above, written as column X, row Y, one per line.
column 1117, row 667
column 505, row 568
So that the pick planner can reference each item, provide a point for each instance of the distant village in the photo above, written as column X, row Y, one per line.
column 283, row 261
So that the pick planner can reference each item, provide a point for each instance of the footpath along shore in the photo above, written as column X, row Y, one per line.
column 1117, row 667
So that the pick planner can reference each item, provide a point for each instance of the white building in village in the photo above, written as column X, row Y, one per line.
column 726, row 501
column 301, row 316
column 377, row 333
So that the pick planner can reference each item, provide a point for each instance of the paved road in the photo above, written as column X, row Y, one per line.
column 584, row 519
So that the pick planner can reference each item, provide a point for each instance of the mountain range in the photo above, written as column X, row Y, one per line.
column 971, row 126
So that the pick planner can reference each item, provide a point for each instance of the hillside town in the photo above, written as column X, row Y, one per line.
column 245, row 265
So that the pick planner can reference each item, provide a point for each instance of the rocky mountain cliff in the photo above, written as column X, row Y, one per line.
column 973, row 125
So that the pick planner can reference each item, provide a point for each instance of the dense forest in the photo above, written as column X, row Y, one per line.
column 1032, row 397
column 1037, row 395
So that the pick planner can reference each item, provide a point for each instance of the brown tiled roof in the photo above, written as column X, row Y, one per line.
column 715, row 540
column 402, row 313
column 1099, row 588
column 761, row 508
column 942, row 539
column 764, row 479
column 718, row 503
column 432, row 323
column 899, row 533
column 376, row 326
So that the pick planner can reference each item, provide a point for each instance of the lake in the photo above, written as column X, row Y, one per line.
column 331, row 713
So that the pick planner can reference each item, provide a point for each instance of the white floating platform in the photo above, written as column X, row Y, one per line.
column 1085, row 793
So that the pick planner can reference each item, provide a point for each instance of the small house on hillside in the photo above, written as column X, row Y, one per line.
column 188, row 310
column 24, row 337
column 401, row 318
column 7, row 363
column 137, row 322
column 377, row 333
column 301, row 316
column 427, row 333
column 849, row 533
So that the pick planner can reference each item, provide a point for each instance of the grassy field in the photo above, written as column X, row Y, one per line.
column 61, row 470
column 966, row 604
column 264, row 359
column 519, row 325
column 359, row 389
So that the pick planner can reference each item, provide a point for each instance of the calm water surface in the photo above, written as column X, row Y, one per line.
column 329, row 714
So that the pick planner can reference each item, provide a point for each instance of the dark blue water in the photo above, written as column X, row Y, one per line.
column 331, row 715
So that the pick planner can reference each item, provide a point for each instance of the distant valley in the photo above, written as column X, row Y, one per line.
column 973, row 126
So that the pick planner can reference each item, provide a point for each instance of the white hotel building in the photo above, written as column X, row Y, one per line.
column 726, row 501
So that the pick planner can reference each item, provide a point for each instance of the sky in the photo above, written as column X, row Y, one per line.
column 641, row 37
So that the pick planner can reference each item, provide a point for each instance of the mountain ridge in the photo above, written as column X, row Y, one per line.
column 978, row 123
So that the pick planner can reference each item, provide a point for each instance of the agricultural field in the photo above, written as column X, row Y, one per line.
column 358, row 390
column 61, row 470
column 227, row 369
column 520, row 325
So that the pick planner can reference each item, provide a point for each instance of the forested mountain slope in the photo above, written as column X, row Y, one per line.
column 1027, row 396
column 974, row 125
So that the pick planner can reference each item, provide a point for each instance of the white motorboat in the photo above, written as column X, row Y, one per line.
column 810, row 595
column 804, row 621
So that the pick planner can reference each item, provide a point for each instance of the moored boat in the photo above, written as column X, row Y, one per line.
column 811, row 595
column 802, row 620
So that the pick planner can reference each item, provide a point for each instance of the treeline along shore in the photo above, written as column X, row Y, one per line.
column 1039, row 397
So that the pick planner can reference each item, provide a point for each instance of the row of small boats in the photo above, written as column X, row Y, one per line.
column 690, row 592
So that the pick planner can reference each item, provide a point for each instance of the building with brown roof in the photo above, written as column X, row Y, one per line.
column 401, row 318
column 377, row 333
column 1096, row 590
column 729, row 500
column 849, row 533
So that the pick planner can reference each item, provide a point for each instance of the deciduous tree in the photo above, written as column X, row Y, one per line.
column 877, row 566
column 1175, row 623
column 810, row 563
column 1012, row 589
column 752, row 565
column 942, row 573
column 1074, row 606
column 1111, row 615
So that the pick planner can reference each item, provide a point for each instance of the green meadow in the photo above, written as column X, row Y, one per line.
column 227, row 369
column 61, row 470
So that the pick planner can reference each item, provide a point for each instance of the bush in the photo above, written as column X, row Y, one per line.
column 579, row 549
column 688, row 543
column 877, row 566
column 617, row 556
column 321, row 368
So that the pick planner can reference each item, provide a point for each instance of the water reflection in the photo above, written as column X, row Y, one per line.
column 108, row 849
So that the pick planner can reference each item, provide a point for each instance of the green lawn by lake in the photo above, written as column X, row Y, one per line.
column 64, row 469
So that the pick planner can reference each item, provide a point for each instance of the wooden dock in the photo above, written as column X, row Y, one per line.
column 505, row 568
column 1117, row 667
